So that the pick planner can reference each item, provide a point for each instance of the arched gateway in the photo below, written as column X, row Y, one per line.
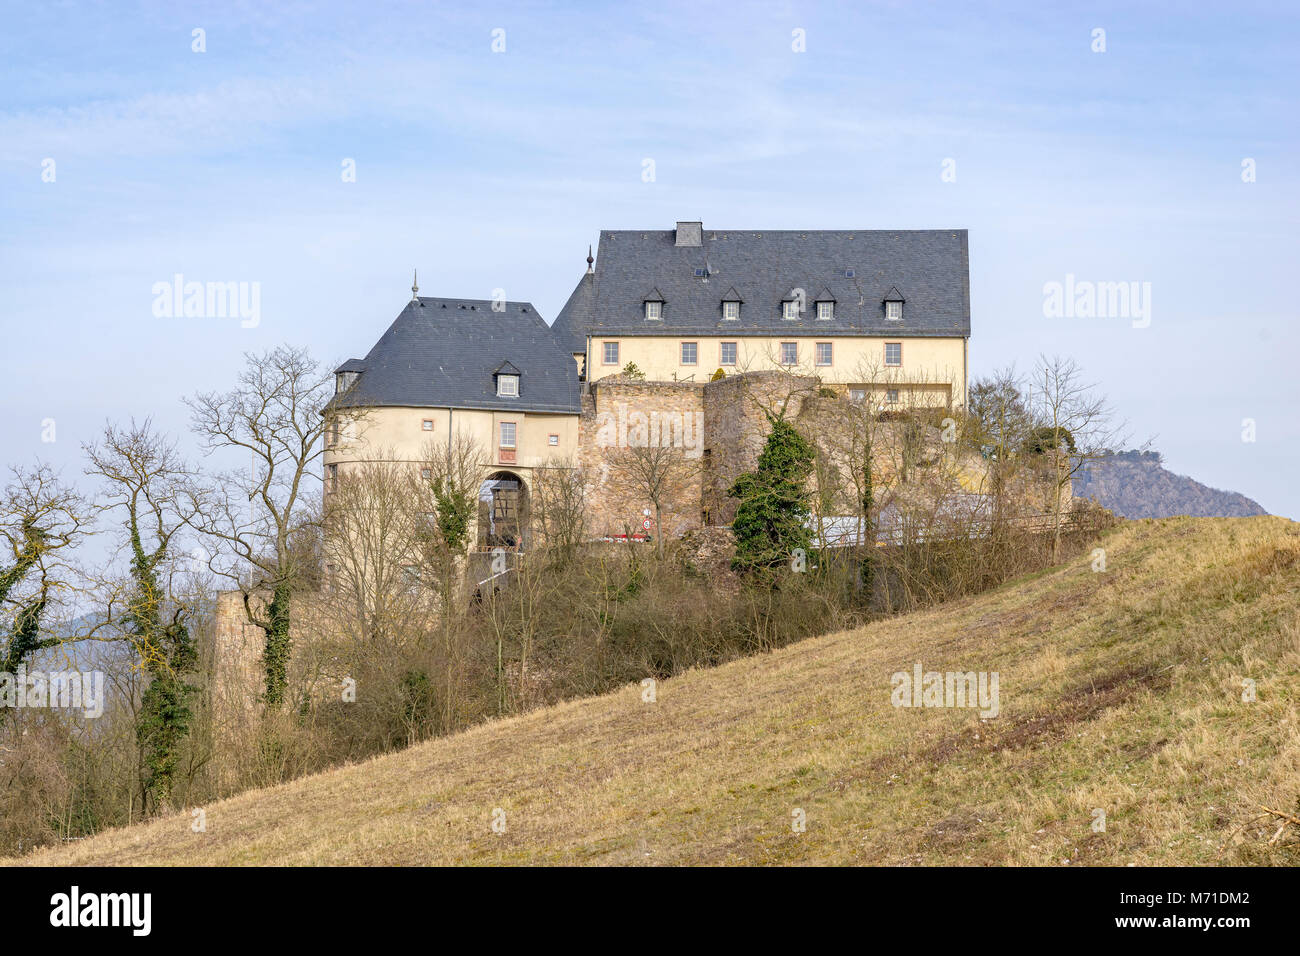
column 503, row 512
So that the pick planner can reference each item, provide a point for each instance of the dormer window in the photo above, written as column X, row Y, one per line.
column 507, row 379
column 825, row 303
column 731, row 305
column 790, row 309
column 894, row 305
column 346, row 375
column 654, row 305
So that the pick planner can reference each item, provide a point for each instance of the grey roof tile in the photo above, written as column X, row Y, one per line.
column 442, row 353
column 859, row 268
column 569, row 327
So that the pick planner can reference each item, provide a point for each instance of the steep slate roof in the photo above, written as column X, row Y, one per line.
column 569, row 328
column 932, row 265
column 442, row 353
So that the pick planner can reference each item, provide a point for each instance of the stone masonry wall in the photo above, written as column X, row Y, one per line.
column 716, row 431
column 621, row 419
column 736, row 428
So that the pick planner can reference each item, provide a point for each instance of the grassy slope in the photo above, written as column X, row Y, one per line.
column 1119, row 690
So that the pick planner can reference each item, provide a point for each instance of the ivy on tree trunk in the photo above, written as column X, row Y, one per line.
column 771, row 521
column 275, row 654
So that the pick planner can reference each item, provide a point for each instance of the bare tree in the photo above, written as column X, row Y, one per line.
column 560, row 505
column 1074, row 425
column 848, row 437
column 395, row 541
column 379, row 609
column 147, row 481
column 370, row 537
column 448, row 489
column 657, row 471
column 41, row 522
column 276, row 415
column 1000, row 420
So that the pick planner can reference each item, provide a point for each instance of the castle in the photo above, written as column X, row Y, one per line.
column 673, row 338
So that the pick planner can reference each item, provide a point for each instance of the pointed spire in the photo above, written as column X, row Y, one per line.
column 415, row 285
column 590, row 260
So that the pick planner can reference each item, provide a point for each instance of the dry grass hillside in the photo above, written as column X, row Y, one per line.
column 1119, row 690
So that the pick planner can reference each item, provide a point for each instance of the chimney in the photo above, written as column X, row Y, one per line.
column 690, row 233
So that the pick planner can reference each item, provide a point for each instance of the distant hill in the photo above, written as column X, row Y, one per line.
column 1117, row 689
column 1135, row 484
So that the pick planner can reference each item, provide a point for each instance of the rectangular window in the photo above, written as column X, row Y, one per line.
column 893, row 353
column 508, row 386
column 891, row 395
column 507, row 434
column 552, row 440
column 426, row 474
column 857, row 394
column 331, row 476
column 790, row 310
column 610, row 356
column 690, row 352
column 825, row 310
column 894, row 310
column 654, row 310
column 727, row 353
column 731, row 310
column 789, row 353
column 427, row 424
column 824, row 353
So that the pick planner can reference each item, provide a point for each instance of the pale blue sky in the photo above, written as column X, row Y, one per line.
column 492, row 170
